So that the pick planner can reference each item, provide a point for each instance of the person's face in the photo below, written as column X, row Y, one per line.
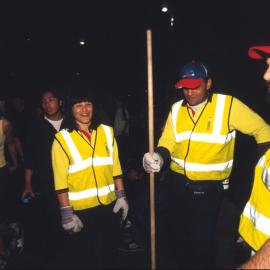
column 266, row 75
column 50, row 104
column 197, row 95
column 83, row 113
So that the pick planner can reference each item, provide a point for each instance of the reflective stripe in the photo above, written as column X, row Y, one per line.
column 204, row 137
column 196, row 167
column 109, row 138
column 215, row 136
column 89, row 193
column 219, row 114
column 175, row 111
column 88, row 162
column 260, row 222
column 261, row 161
column 79, row 163
column 72, row 148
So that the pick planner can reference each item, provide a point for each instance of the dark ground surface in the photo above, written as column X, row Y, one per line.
column 229, row 253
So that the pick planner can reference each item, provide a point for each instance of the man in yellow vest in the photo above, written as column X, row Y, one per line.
column 255, row 220
column 198, row 140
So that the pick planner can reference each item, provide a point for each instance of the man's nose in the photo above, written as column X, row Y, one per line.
column 189, row 92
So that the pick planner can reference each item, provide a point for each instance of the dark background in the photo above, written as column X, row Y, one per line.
column 39, row 43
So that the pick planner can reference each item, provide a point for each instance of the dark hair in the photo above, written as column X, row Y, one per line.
column 76, row 96
column 52, row 90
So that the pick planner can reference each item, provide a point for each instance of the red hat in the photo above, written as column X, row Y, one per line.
column 259, row 52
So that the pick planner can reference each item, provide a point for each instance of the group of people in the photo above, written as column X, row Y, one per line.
column 73, row 174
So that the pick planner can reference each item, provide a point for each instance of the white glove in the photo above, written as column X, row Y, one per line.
column 121, row 203
column 70, row 222
column 152, row 163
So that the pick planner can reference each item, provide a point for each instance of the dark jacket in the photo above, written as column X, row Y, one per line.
column 38, row 154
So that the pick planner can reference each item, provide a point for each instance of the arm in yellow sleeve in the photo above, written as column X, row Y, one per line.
column 245, row 120
column 60, row 164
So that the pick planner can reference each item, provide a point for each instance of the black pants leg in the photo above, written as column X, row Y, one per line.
column 194, row 219
column 95, row 247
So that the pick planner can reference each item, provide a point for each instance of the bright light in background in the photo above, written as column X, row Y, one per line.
column 172, row 21
column 82, row 42
column 164, row 8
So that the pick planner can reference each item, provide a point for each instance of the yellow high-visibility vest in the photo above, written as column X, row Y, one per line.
column 254, row 224
column 90, row 173
column 204, row 148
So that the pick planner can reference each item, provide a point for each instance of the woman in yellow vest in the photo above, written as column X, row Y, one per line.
column 88, row 183
column 198, row 140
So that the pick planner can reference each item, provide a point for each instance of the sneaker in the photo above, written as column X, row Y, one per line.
column 130, row 247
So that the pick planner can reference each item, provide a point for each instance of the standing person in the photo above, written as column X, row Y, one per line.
column 199, row 140
column 42, row 219
column 6, row 138
column 88, row 184
column 254, row 225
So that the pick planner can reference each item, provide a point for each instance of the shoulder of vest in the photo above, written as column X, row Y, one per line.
column 177, row 103
column 225, row 95
column 103, row 125
column 108, row 127
column 60, row 132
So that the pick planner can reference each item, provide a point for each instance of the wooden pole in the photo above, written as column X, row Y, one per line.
column 151, row 145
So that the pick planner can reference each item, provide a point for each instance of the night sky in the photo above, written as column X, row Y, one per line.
column 39, row 45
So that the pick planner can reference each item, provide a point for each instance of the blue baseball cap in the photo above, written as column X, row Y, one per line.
column 192, row 75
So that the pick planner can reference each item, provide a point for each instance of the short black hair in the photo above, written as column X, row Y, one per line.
column 79, row 94
column 52, row 89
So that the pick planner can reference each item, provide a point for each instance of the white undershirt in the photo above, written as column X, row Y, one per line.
column 195, row 108
column 55, row 123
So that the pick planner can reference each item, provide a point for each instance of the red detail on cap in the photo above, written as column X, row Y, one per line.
column 189, row 83
column 254, row 52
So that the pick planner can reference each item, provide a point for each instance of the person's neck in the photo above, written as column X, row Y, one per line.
column 57, row 116
column 84, row 127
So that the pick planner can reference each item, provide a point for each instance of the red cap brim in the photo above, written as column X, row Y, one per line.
column 259, row 52
column 189, row 83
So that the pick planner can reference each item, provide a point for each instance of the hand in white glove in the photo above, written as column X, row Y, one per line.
column 121, row 203
column 70, row 222
column 152, row 163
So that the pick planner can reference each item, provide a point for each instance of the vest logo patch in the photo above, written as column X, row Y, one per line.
column 209, row 123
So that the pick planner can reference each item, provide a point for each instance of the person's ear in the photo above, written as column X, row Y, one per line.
column 209, row 83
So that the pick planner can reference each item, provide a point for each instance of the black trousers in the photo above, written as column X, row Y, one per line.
column 193, row 214
column 96, row 245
